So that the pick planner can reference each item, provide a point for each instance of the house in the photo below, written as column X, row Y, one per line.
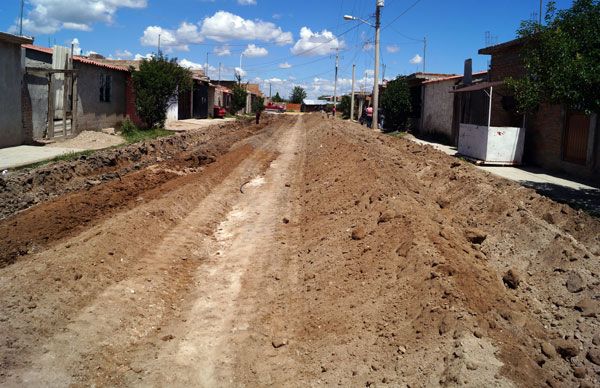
column 192, row 103
column 313, row 105
column 68, row 93
column 440, row 109
column 556, row 138
column 252, row 90
column 415, row 82
column 12, row 69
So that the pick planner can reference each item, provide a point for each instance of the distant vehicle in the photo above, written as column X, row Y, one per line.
column 275, row 107
column 219, row 112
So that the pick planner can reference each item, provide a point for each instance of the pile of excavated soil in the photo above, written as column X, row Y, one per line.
column 416, row 269
column 101, row 184
column 90, row 140
column 351, row 258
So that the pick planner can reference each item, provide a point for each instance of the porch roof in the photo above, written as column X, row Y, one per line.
column 479, row 86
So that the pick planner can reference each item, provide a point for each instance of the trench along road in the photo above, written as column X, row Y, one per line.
column 313, row 252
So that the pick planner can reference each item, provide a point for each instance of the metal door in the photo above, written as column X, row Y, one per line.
column 575, row 142
column 201, row 101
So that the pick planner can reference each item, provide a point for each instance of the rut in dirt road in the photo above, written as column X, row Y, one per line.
column 351, row 258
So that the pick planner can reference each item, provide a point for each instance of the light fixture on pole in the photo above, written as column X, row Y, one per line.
column 378, row 5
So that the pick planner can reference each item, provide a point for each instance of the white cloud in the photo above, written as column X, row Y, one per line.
column 284, row 65
column 224, row 26
column 253, row 51
column 178, row 39
column 392, row 48
column 76, row 46
column 240, row 71
column 277, row 16
column 123, row 54
column 247, row 2
column 139, row 57
column 50, row 16
column 190, row 65
column 222, row 51
column 417, row 59
column 316, row 43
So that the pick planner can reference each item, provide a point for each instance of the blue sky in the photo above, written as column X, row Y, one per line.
column 285, row 43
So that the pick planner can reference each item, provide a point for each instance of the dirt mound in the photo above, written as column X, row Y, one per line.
column 23, row 189
column 101, row 184
column 401, row 262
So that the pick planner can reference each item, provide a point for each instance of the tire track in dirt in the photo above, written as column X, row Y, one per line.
column 209, row 338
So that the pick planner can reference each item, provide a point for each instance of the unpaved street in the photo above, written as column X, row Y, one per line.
column 301, row 252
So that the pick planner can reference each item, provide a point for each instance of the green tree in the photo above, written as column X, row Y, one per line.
column 395, row 103
column 258, row 104
column 156, row 83
column 344, row 107
column 561, row 59
column 238, row 99
column 298, row 94
column 277, row 98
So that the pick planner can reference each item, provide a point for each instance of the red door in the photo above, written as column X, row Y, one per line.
column 575, row 142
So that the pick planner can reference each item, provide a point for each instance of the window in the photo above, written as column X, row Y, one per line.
column 105, row 87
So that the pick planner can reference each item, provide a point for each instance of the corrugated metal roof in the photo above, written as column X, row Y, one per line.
column 78, row 58
column 454, row 77
column 479, row 86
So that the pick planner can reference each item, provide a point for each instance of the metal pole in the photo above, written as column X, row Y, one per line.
column 490, row 107
column 541, row 8
column 424, row 53
column 337, row 63
column 270, row 90
column 379, row 5
column 206, row 67
column 352, row 101
column 158, row 44
column 219, row 73
column 21, row 18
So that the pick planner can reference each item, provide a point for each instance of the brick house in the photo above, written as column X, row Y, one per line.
column 556, row 138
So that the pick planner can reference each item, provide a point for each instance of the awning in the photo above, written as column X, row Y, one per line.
column 479, row 86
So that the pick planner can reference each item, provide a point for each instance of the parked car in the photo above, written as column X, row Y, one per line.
column 219, row 112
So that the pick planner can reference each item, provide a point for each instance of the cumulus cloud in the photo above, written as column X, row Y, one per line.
column 253, row 51
column 392, row 48
column 139, row 57
column 50, row 16
column 284, row 65
column 222, row 51
column 417, row 59
column 247, row 2
column 123, row 54
column 190, row 65
column 316, row 43
column 224, row 26
column 241, row 72
column 76, row 46
column 178, row 39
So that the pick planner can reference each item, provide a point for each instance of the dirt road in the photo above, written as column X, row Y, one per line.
column 302, row 252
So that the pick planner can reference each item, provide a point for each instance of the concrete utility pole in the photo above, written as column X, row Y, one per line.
column 206, row 66
column 337, row 64
column 541, row 10
column 378, row 5
column 21, row 18
column 158, row 43
column 352, row 101
column 424, row 53
column 219, row 73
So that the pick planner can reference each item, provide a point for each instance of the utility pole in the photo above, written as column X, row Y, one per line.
column 206, row 65
column 158, row 43
column 378, row 5
column 270, row 90
column 541, row 10
column 424, row 53
column 21, row 18
column 352, row 101
column 337, row 63
column 219, row 73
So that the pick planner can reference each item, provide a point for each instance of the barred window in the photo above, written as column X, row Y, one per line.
column 105, row 87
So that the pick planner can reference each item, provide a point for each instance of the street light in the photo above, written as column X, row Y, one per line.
column 378, row 5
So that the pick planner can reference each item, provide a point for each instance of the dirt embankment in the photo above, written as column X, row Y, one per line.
column 101, row 184
column 416, row 268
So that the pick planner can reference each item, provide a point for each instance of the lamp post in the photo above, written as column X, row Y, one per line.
column 378, row 5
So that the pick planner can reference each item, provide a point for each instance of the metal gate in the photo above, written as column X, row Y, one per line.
column 575, row 142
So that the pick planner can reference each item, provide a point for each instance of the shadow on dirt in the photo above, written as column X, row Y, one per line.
column 587, row 200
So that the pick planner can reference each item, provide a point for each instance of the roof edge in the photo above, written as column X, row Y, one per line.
column 16, row 39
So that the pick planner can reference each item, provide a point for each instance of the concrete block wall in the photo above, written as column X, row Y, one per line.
column 438, row 109
column 11, row 83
